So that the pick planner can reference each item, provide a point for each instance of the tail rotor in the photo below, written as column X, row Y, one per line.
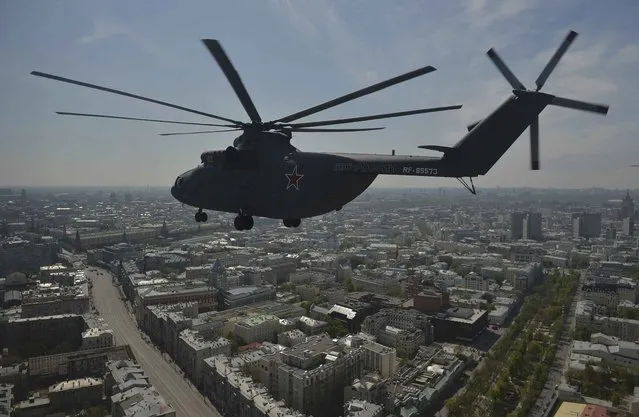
column 519, row 88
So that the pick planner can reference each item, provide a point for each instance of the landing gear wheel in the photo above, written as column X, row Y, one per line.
column 292, row 222
column 201, row 217
column 243, row 223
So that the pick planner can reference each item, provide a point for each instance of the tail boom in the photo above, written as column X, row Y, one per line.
column 472, row 156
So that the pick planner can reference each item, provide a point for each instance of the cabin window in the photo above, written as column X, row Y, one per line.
column 241, row 159
column 214, row 158
column 232, row 159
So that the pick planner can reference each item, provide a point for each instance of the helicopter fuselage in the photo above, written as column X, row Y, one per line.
column 292, row 185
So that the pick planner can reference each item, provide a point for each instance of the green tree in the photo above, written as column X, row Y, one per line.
column 336, row 328
column 616, row 399
column 235, row 343
column 306, row 305
column 348, row 284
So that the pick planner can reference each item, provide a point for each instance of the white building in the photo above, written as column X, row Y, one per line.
column 358, row 408
column 95, row 338
column 608, row 349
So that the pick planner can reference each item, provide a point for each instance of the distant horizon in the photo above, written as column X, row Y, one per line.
column 479, row 188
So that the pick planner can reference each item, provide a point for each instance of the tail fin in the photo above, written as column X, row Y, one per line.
column 488, row 140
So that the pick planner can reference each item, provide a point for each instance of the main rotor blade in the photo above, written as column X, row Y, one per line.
column 580, row 105
column 550, row 66
column 122, row 93
column 374, row 117
column 501, row 66
column 224, row 62
column 534, row 145
column 105, row 116
column 356, row 94
column 363, row 129
column 198, row 133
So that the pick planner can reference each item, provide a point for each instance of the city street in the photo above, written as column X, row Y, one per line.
column 184, row 398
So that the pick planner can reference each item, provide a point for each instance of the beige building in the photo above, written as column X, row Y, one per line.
column 310, row 388
column 610, row 294
column 192, row 349
column 258, row 328
column 380, row 358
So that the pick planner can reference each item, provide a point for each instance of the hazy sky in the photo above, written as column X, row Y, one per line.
column 297, row 53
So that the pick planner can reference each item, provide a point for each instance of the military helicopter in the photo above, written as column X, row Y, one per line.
column 264, row 175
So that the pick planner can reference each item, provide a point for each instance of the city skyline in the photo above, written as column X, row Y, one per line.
column 292, row 55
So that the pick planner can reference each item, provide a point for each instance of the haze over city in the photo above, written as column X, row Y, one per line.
column 295, row 54
column 286, row 259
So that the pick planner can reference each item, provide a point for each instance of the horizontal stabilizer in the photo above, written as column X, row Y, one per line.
column 472, row 125
column 437, row 148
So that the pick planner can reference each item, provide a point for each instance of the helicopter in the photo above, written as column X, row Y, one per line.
column 264, row 175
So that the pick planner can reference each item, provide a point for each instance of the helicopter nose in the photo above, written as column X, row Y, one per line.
column 177, row 190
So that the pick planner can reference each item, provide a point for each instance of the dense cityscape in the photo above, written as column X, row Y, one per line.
column 407, row 302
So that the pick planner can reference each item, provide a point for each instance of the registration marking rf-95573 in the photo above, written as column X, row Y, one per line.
column 419, row 171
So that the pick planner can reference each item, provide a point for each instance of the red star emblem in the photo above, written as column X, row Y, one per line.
column 294, row 179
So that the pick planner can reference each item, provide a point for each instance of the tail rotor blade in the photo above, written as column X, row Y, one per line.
column 550, row 66
column 580, row 105
column 534, row 145
column 501, row 66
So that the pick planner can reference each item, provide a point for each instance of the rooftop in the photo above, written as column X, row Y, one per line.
column 75, row 384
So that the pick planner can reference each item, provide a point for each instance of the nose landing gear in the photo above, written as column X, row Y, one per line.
column 201, row 217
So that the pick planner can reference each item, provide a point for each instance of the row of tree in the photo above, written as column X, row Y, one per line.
column 516, row 368
column 536, row 350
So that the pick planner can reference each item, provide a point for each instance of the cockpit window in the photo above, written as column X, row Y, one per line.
column 244, row 159
column 232, row 159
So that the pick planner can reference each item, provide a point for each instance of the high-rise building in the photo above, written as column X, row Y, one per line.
column 586, row 225
column 532, row 226
column 516, row 225
column 525, row 225
column 628, row 226
column 627, row 207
